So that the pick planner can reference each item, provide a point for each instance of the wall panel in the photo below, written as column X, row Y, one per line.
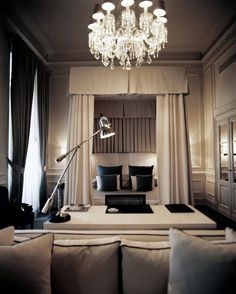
column 58, row 121
column 225, row 85
column 195, row 115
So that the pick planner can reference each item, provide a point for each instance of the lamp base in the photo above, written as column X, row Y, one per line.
column 59, row 217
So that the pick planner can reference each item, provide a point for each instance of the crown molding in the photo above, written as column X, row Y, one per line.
column 14, row 24
column 221, row 46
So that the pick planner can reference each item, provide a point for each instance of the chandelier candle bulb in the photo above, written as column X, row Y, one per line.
column 132, row 42
column 98, row 14
column 108, row 6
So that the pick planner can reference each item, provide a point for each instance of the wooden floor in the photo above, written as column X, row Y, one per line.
column 222, row 221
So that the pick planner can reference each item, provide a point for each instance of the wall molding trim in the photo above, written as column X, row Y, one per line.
column 227, row 63
column 225, row 41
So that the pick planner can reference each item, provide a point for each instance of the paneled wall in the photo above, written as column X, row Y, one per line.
column 58, row 122
column 195, row 115
column 3, row 105
column 219, row 72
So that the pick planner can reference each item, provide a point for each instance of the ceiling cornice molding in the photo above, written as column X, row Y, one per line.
column 165, row 57
column 13, row 20
column 223, row 44
column 26, row 39
column 186, row 63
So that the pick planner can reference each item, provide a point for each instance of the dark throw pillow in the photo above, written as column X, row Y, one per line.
column 139, row 170
column 107, row 183
column 142, row 182
column 110, row 170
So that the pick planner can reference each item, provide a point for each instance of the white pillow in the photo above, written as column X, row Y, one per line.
column 198, row 266
column 230, row 235
column 25, row 267
column 86, row 266
column 7, row 236
column 145, row 267
column 134, row 183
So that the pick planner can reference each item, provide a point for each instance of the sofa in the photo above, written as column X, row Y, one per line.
column 112, row 262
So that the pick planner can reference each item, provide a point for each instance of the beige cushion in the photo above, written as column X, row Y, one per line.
column 25, row 267
column 7, row 236
column 199, row 266
column 230, row 235
column 145, row 267
column 85, row 266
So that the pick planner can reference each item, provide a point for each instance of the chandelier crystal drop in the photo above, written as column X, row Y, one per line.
column 131, row 42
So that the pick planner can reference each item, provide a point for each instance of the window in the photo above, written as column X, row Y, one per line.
column 33, row 173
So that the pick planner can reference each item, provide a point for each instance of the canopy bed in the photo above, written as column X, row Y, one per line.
column 169, row 85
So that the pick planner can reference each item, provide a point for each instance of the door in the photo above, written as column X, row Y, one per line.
column 223, row 168
column 233, row 156
column 226, row 167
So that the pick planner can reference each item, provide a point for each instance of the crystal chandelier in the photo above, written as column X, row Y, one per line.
column 128, row 42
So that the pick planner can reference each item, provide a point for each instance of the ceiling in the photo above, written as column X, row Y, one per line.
column 58, row 28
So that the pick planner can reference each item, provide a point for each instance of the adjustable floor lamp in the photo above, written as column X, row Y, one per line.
column 105, row 131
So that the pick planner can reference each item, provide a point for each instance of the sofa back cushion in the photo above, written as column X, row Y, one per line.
column 86, row 266
column 145, row 267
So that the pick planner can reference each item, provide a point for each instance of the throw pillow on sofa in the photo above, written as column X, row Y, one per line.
column 25, row 267
column 7, row 236
column 145, row 267
column 230, row 235
column 199, row 266
column 86, row 266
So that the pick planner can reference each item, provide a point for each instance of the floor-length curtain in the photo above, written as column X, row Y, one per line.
column 173, row 162
column 43, row 109
column 22, row 85
column 33, row 171
column 78, row 177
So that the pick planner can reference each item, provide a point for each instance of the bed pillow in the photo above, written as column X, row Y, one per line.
column 108, row 182
column 110, row 170
column 25, row 267
column 86, row 266
column 7, row 236
column 139, row 170
column 142, row 182
column 199, row 266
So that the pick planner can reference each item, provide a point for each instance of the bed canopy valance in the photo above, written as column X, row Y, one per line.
column 145, row 80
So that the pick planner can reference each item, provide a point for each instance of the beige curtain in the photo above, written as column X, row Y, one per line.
column 78, row 178
column 173, row 159
column 132, row 135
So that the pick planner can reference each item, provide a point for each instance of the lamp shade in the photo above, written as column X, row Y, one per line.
column 105, row 127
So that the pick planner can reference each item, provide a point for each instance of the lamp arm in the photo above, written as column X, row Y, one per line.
column 49, row 202
column 63, row 156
